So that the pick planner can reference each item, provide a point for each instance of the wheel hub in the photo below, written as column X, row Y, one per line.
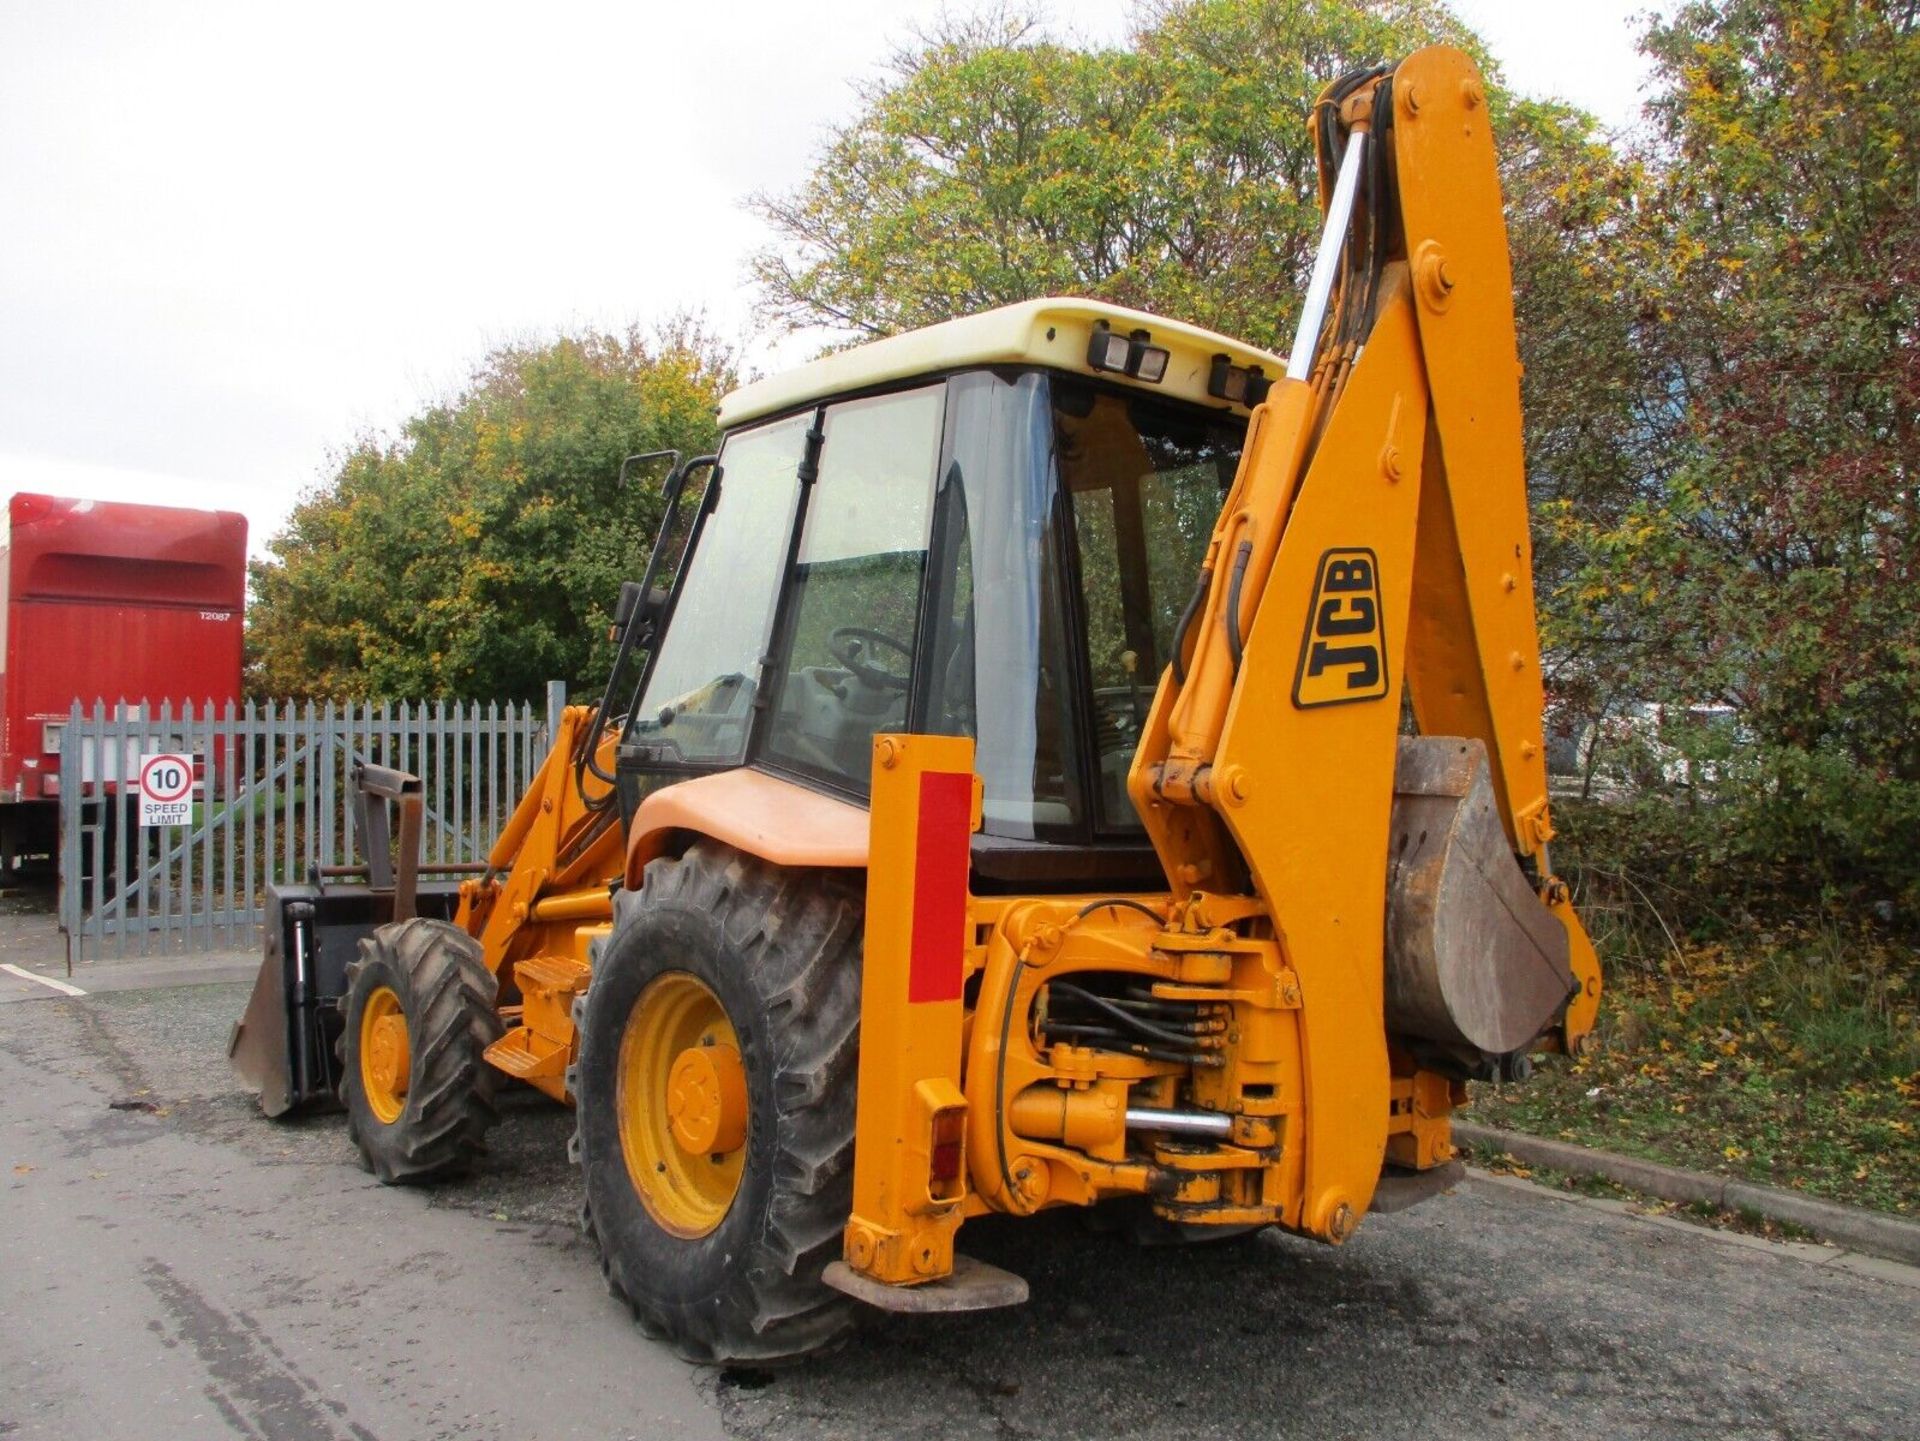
column 684, row 1108
column 707, row 1100
column 390, row 1058
column 386, row 1058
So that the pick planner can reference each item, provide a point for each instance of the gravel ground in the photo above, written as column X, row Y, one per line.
column 1497, row 1311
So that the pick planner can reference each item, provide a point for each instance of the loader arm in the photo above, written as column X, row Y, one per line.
column 562, row 841
column 546, row 897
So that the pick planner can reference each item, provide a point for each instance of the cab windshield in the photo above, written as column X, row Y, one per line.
column 700, row 683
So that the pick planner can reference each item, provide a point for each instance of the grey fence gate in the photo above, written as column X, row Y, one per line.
column 269, row 801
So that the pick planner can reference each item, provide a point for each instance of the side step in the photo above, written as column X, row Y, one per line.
column 973, row 1286
column 521, row 1054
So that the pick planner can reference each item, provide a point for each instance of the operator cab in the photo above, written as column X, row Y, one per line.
column 988, row 528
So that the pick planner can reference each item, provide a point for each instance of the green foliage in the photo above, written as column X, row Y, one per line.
column 1787, row 832
column 995, row 165
column 1717, row 318
column 481, row 552
column 1765, row 559
column 1792, row 1058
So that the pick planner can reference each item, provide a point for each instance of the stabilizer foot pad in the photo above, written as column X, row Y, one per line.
column 973, row 1286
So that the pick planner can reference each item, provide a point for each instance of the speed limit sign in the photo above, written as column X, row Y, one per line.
column 166, row 790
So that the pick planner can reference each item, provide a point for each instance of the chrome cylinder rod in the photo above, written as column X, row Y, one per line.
column 1333, row 239
column 1178, row 1123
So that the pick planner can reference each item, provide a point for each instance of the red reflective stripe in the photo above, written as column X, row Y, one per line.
column 940, row 886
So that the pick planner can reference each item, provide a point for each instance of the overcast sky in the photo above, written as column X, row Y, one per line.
column 233, row 237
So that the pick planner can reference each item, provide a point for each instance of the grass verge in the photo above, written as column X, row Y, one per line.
column 1718, row 1218
column 1790, row 1057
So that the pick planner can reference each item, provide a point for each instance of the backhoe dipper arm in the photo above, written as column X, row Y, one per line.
column 1375, row 534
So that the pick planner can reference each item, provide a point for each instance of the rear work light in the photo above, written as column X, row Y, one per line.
column 1239, row 384
column 1127, row 354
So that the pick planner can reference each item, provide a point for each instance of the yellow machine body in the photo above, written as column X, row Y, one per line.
column 1352, row 919
column 1375, row 540
column 545, row 898
column 1374, row 544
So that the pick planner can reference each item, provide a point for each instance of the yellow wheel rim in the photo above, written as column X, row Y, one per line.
column 682, row 1092
column 386, row 1062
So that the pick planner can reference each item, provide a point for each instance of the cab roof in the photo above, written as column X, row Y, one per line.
column 1055, row 332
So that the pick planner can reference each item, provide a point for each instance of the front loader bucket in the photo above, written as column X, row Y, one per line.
column 258, row 1046
column 1475, row 960
column 285, row 1046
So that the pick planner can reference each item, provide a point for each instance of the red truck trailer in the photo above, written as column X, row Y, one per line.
column 127, row 604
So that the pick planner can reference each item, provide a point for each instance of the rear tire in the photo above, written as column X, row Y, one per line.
column 779, row 950
column 436, row 1122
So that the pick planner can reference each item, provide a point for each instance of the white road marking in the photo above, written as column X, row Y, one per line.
column 26, row 975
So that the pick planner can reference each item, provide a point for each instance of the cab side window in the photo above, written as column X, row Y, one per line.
column 700, row 693
column 854, row 611
column 1145, row 483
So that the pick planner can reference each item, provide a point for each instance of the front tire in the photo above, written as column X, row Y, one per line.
column 419, row 1018
column 714, row 1096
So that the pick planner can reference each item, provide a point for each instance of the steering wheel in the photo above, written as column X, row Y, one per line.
column 846, row 642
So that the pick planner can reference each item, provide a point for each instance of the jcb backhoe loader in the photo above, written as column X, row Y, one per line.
column 1072, row 759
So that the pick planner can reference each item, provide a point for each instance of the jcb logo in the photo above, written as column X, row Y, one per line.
column 1344, row 655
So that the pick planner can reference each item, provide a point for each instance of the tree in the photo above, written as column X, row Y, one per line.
column 1790, row 208
column 1717, row 318
column 480, row 552
column 993, row 164
column 1768, row 563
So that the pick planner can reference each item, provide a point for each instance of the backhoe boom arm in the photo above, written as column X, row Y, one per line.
column 1356, row 921
column 1376, row 537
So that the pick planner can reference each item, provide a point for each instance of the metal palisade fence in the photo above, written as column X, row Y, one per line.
column 269, row 801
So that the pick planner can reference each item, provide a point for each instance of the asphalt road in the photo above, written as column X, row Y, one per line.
column 196, row 1271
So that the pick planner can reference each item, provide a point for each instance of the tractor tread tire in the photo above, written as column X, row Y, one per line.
column 790, row 941
column 447, row 994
